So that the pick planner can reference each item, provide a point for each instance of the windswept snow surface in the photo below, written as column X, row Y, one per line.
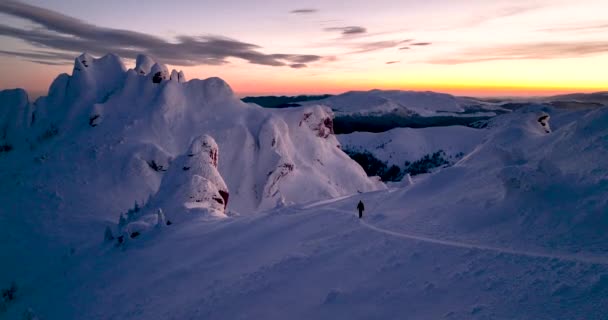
column 319, row 261
column 515, row 230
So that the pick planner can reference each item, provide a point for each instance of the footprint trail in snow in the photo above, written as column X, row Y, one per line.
column 595, row 259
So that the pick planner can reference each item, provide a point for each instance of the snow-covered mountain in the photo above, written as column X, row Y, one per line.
column 403, row 103
column 399, row 145
column 121, row 129
column 578, row 100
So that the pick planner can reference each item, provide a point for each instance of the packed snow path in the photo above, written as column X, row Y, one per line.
column 564, row 257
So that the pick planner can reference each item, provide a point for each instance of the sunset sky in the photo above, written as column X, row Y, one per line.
column 473, row 47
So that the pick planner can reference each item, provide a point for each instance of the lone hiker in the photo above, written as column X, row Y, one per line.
column 360, row 207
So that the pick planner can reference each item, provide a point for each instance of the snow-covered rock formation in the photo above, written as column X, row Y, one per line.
column 105, row 128
column 193, row 183
column 192, row 187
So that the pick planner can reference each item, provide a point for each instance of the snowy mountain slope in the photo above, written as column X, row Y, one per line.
column 403, row 103
column 524, row 185
column 515, row 230
column 588, row 99
column 399, row 145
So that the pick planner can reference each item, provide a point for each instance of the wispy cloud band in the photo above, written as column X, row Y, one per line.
column 543, row 50
column 68, row 36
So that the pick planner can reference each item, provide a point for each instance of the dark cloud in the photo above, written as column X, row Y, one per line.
column 540, row 51
column 347, row 31
column 297, row 65
column 69, row 36
column 404, row 48
column 421, row 44
column 392, row 62
column 304, row 11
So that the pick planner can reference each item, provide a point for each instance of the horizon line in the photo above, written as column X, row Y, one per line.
column 493, row 92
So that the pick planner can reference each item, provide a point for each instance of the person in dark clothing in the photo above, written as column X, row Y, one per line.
column 360, row 207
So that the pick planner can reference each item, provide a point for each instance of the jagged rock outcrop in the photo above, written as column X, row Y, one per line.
column 543, row 120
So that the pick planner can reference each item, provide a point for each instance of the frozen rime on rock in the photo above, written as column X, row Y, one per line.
column 193, row 182
column 321, row 123
column 192, row 185
column 143, row 64
column 159, row 73
column 177, row 76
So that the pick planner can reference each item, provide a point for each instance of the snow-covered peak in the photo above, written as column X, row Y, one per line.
column 177, row 76
column 94, row 78
column 84, row 60
column 109, row 63
column 159, row 72
column 143, row 64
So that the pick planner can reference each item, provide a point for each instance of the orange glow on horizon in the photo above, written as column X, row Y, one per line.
column 477, row 90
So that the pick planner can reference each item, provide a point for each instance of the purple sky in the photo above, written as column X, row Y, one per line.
column 277, row 47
